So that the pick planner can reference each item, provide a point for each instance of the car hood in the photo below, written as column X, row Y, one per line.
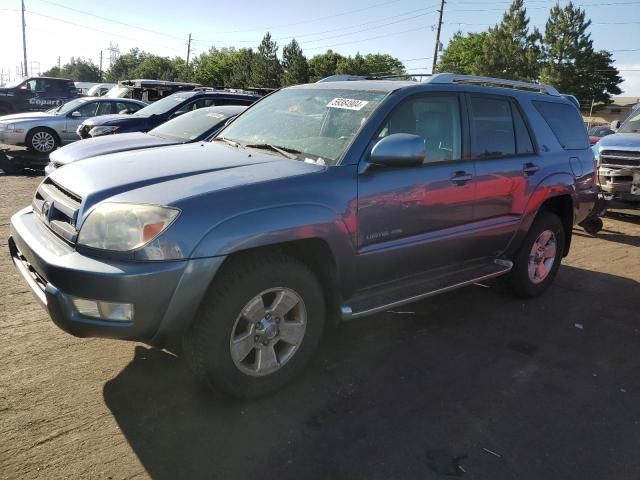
column 115, row 119
column 92, row 147
column 621, row 140
column 167, row 175
column 16, row 117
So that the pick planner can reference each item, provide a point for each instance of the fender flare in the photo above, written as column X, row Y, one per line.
column 279, row 224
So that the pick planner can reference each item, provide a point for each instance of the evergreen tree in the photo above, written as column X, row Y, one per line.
column 294, row 63
column 463, row 54
column 242, row 71
column 571, row 64
column 267, row 70
column 510, row 50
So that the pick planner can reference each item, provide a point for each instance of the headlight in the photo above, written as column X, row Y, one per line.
column 124, row 226
column 596, row 153
column 105, row 130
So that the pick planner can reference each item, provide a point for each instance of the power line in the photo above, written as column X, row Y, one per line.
column 83, row 12
column 302, row 22
column 101, row 31
column 368, row 38
column 410, row 12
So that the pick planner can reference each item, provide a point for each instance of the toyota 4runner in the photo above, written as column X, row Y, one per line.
column 321, row 202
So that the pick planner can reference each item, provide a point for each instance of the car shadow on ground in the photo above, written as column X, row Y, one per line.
column 625, row 216
column 474, row 382
column 613, row 236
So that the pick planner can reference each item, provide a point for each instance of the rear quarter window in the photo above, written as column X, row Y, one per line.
column 566, row 124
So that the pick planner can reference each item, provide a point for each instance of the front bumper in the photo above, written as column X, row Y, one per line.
column 623, row 183
column 9, row 137
column 165, row 295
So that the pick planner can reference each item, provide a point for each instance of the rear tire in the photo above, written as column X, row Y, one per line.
column 258, row 325
column 42, row 140
column 536, row 263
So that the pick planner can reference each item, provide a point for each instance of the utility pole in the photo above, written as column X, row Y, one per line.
column 100, row 75
column 58, row 62
column 188, row 49
column 437, row 47
column 24, row 42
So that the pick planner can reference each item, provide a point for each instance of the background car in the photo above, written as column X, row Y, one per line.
column 43, row 132
column 159, row 112
column 36, row 94
column 596, row 133
column 194, row 126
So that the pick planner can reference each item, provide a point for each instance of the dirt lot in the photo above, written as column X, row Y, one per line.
column 474, row 383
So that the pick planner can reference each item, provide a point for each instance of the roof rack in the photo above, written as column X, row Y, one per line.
column 493, row 82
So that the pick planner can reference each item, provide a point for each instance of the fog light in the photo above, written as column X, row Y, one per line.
column 118, row 312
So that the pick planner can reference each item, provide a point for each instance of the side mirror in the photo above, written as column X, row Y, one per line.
column 76, row 114
column 399, row 150
column 615, row 124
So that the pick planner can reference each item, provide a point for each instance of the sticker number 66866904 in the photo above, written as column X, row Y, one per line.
column 347, row 103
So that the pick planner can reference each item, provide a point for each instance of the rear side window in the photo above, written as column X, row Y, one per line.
column 492, row 128
column 524, row 146
column 565, row 123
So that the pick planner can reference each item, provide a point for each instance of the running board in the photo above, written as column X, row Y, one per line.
column 412, row 291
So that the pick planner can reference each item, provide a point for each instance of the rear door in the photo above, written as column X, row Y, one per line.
column 414, row 219
column 507, row 166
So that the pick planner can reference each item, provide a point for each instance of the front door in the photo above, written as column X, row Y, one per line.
column 414, row 219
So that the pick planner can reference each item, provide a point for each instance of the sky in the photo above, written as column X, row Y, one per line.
column 402, row 28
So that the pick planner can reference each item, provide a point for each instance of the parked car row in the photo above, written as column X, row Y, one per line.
column 85, row 117
column 318, row 203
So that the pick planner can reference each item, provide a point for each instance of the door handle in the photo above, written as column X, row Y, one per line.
column 461, row 177
column 530, row 168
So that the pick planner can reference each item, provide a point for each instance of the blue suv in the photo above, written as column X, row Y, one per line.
column 320, row 203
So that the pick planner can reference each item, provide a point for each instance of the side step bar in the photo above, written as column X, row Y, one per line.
column 363, row 306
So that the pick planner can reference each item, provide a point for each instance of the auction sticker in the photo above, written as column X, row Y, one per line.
column 347, row 103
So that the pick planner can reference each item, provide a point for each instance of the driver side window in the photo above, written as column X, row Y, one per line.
column 436, row 118
column 87, row 110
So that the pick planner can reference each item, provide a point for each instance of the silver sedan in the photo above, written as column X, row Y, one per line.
column 43, row 132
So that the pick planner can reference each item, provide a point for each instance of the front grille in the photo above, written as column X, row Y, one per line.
column 38, row 279
column 58, row 208
column 622, row 158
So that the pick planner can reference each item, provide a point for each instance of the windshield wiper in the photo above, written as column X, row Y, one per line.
column 290, row 153
column 227, row 140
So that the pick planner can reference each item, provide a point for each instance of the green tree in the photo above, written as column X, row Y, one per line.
column 294, row 64
column 242, row 73
column 323, row 65
column 355, row 65
column 571, row 64
column 463, row 54
column 510, row 50
column 125, row 65
column 215, row 67
column 267, row 70
column 383, row 63
column 77, row 69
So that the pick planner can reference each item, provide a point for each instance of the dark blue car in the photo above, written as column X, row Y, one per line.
column 194, row 126
column 159, row 112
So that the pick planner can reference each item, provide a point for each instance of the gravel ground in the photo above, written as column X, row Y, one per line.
column 473, row 383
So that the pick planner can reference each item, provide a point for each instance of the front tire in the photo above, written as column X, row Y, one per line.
column 42, row 140
column 258, row 326
column 536, row 263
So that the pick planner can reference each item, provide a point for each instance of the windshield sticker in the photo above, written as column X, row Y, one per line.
column 347, row 103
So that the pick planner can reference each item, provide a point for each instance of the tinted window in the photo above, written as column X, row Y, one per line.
column 565, row 123
column 88, row 109
column 523, row 139
column 492, row 132
column 434, row 118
